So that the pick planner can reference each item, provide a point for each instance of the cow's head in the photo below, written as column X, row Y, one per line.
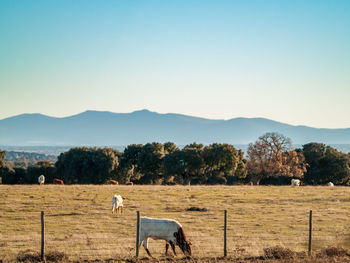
column 182, row 242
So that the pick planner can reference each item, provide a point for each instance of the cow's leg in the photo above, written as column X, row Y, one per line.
column 145, row 245
column 121, row 209
column 172, row 246
column 166, row 248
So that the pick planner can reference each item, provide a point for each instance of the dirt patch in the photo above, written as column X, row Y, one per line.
column 193, row 208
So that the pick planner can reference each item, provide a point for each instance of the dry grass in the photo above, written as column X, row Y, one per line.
column 79, row 221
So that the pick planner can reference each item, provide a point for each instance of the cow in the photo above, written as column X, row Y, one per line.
column 330, row 184
column 41, row 179
column 57, row 181
column 117, row 203
column 251, row 183
column 295, row 182
column 130, row 183
column 112, row 182
column 172, row 183
column 167, row 229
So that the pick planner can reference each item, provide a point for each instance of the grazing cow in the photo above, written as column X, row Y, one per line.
column 251, row 183
column 112, row 182
column 130, row 183
column 295, row 182
column 167, row 229
column 117, row 203
column 57, row 181
column 41, row 179
column 172, row 183
column 330, row 184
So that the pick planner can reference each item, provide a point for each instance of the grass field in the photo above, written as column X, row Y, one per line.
column 79, row 221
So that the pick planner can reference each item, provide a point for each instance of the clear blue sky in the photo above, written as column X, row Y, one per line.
column 284, row 60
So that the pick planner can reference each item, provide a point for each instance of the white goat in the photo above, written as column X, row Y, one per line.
column 295, row 182
column 167, row 229
column 41, row 179
column 117, row 204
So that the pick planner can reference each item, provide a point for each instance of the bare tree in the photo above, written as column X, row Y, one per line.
column 271, row 156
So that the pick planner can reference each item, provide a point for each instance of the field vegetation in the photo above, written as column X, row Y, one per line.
column 79, row 222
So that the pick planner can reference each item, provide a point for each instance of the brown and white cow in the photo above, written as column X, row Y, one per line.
column 167, row 229
column 112, row 182
column 57, row 181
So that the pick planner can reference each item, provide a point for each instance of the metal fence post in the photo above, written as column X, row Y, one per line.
column 42, row 236
column 138, row 228
column 310, row 231
column 225, row 234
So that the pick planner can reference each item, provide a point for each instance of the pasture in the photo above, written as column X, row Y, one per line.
column 80, row 223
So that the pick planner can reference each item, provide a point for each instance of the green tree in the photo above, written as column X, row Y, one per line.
column 326, row 164
column 222, row 163
column 170, row 147
column 194, row 163
column 7, row 174
column 128, row 168
column 150, row 163
column 87, row 165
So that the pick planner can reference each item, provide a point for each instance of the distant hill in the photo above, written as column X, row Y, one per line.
column 28, row 157
column 97, row 128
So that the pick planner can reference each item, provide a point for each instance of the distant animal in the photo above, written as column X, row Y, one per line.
column 41, row 179
column 130, row 183
column 117, row 203
column 167, row 229
column 57, row 181
column 112, row 182
column 172, row 183
column 330, row 184
column 295, row 182
column 251, row 183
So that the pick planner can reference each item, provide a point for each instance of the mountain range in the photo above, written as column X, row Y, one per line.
column 101, row 128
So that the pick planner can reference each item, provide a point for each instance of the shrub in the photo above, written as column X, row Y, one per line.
column 278, row 252
column 333, row 252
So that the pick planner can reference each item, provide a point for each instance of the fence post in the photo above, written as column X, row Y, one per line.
column 310, row 231
column 138, row 228
column 225, row 234
column 42, row 236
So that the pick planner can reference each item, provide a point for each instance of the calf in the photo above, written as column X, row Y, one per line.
column 117, row 203
column 41, row 179
column 295, row 182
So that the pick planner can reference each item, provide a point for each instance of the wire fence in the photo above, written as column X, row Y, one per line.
column 117, row 238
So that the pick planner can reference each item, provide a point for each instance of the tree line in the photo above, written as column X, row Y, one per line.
column 269, row 160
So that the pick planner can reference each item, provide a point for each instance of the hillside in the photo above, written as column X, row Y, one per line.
column 107, row 128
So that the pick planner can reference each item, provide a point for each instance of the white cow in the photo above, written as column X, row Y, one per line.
column 41, row 179
column 295, row 182
column 330, row 184
column 167, row 229
column 117, row 204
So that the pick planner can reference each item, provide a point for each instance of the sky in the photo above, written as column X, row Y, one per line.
column 288, row 61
